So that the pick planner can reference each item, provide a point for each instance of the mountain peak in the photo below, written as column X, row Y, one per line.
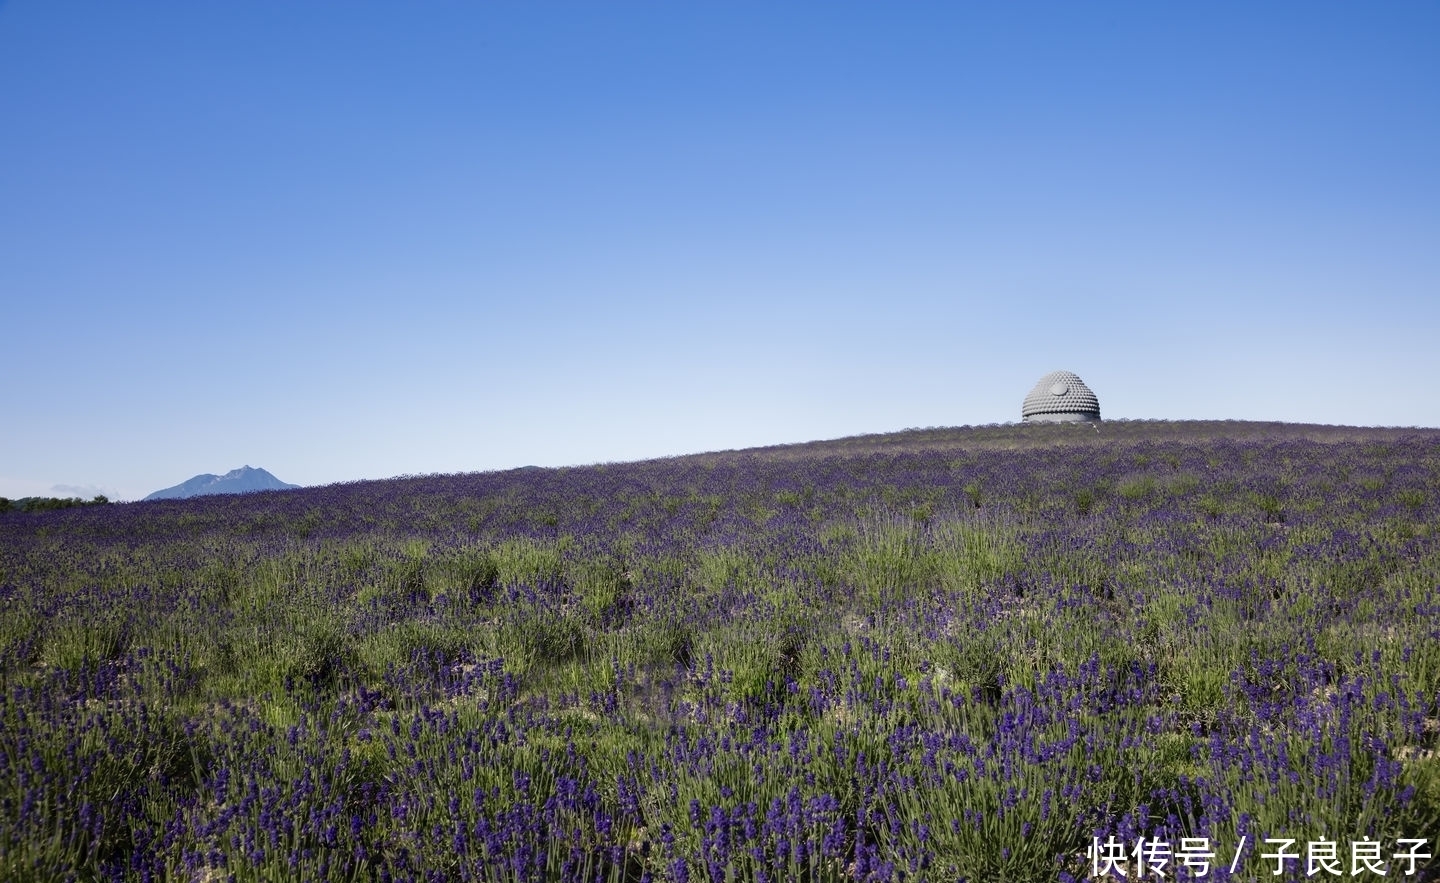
column 236, row 481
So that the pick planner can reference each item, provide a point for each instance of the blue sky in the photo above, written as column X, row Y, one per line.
column 359, row 240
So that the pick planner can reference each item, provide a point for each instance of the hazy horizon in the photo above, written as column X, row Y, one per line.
column 361, row 242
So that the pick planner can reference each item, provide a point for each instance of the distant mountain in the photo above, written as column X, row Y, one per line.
column 236, row 481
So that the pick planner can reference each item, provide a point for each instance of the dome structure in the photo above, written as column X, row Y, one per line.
column 1060, row 397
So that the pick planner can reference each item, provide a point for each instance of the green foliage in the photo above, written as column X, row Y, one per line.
column 75, row 644
column 49, row 504
column 1270, row 507
column 718, row 567
column 972, row 555
column 472, row 573
column 885, row 560
column 604, row 587
column 532, row 637
column 405, row 642
column 1413, row 499
column 974, row 493
column 1137, row 487
column 526, row 561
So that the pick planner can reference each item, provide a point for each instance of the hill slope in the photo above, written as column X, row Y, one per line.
column 968, row 651
column 1018, row 436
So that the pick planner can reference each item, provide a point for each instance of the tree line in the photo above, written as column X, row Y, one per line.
column 45, row 504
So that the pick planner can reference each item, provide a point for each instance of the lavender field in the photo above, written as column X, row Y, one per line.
column 1020, row 653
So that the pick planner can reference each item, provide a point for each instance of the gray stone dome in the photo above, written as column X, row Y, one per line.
column 1060, row 397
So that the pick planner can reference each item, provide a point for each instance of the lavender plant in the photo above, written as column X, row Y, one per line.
column 941, row 655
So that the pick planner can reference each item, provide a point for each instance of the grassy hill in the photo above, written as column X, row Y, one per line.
column 986, row 653
column 1019, row 436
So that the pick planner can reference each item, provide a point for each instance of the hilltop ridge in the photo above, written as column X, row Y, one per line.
column 1019, row 436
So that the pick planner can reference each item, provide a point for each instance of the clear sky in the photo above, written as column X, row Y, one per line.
column 362, row 239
